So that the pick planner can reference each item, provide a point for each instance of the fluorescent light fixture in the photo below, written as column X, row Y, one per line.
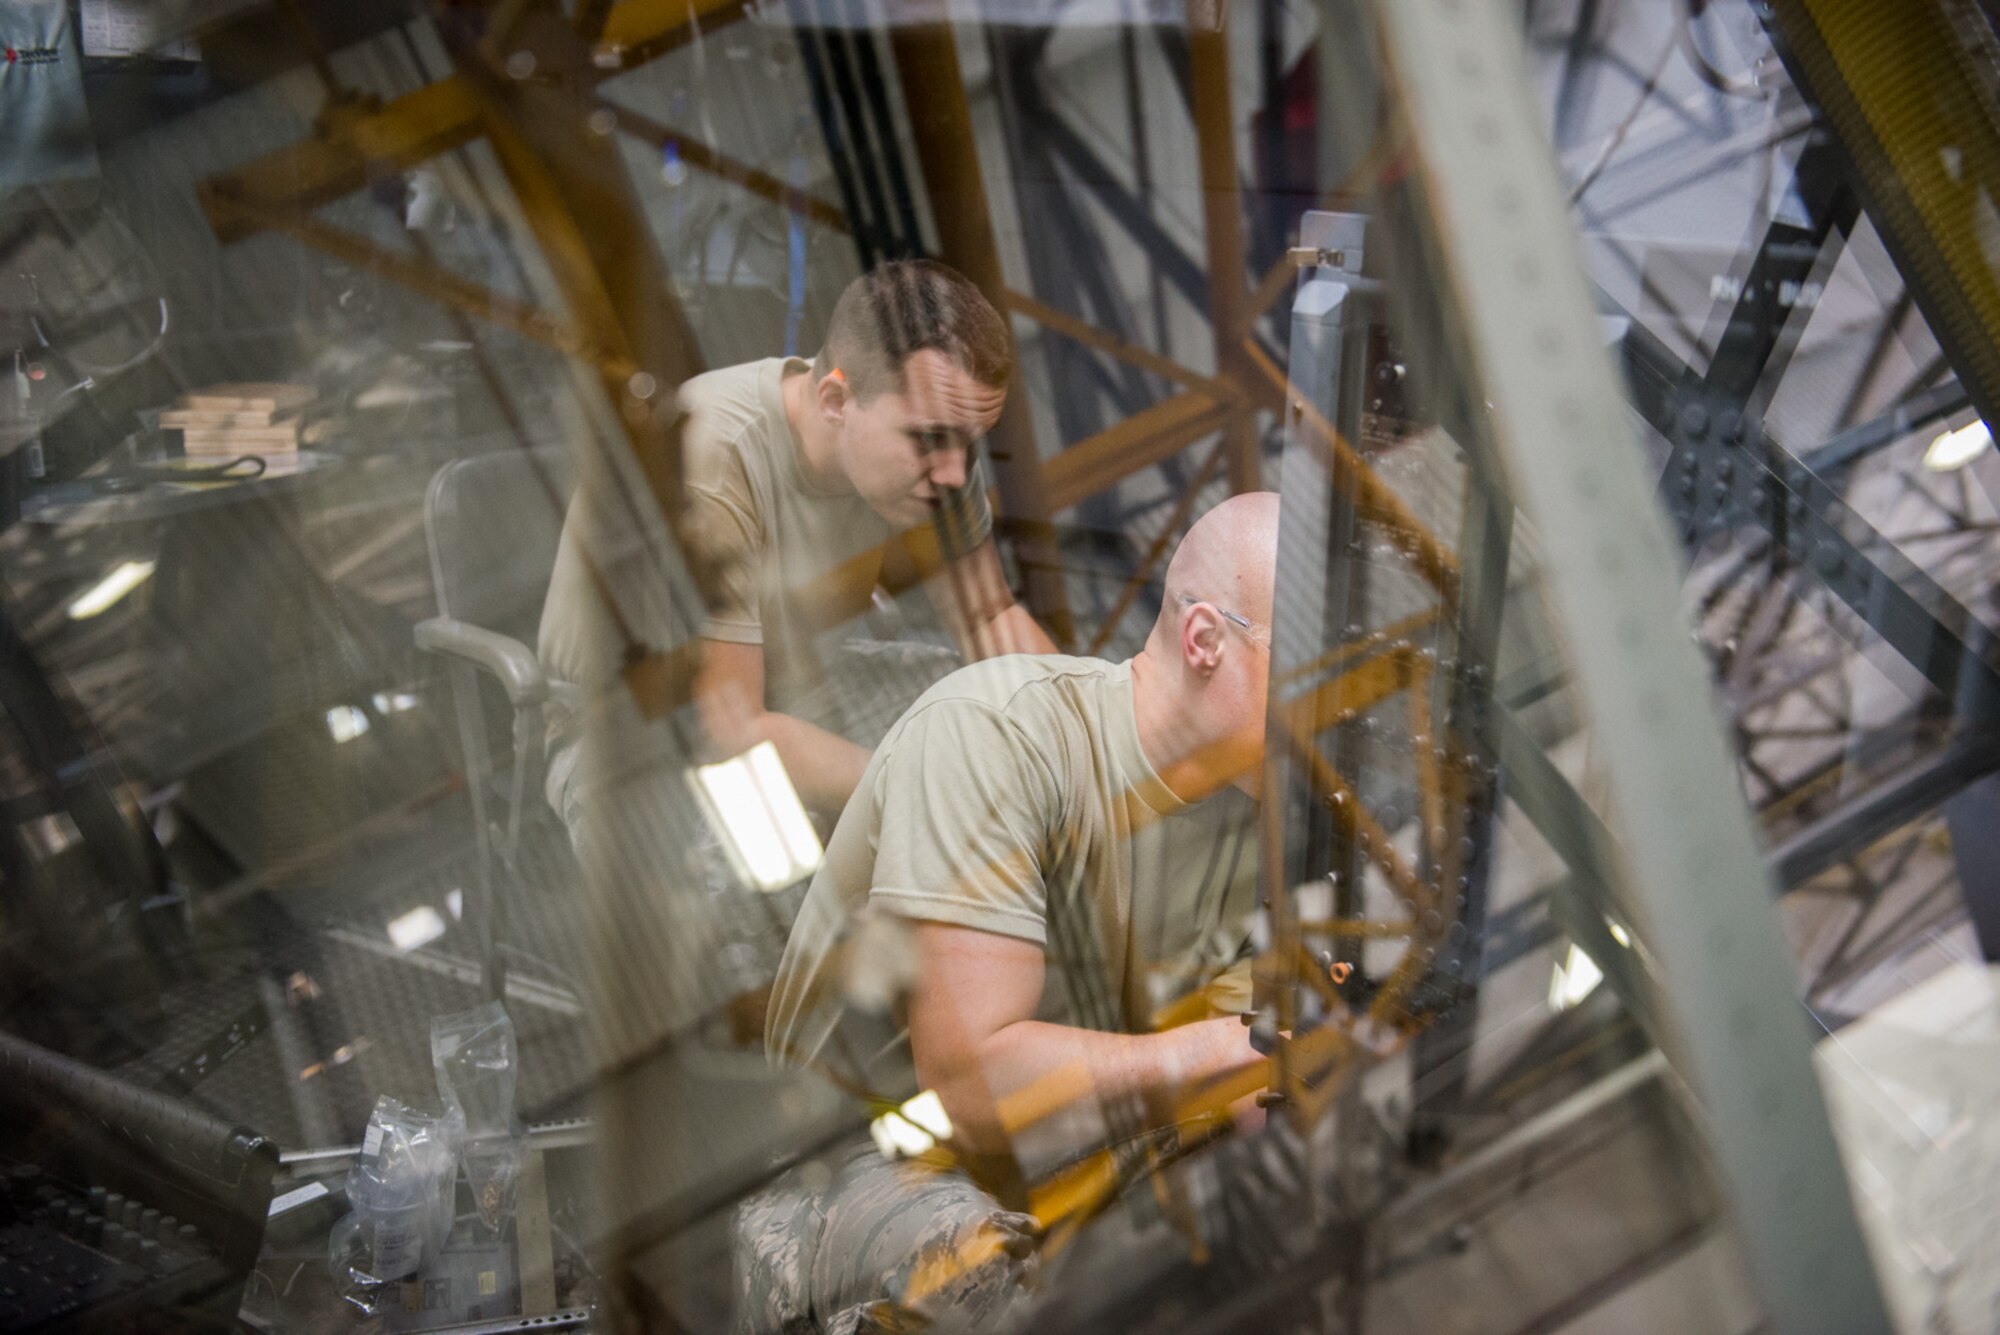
column 100, row 596
column 912, row 1129
column 927, row 1111
column 1618, row 932
column 899, row 1138
column 1575, row 978
column 419, row 927
column 454, row 899
column 1954, row 449
column 346, row 723
column 794, row 826
column 394, row 702
column 763, row 823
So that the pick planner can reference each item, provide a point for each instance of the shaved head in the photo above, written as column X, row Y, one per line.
column 1229, row 558
column 1201, row 683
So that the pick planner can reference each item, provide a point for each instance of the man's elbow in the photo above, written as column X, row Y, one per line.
column 730, row 724
column 961, row 1087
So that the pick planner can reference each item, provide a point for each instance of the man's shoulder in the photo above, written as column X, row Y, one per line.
column 731, row 411
column 726, row 384
column 1030, row 697
column 1019, row 679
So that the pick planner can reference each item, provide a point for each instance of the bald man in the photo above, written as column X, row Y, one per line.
column 1061, row 846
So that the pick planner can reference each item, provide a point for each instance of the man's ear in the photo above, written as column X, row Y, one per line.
column 1201, row 638
column 833, row 396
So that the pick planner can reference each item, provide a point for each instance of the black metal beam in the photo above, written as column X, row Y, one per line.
column 1886, row 807
column 874, row 88
column 1128, row 211
column 836, row 46
column 1066, row 259
column 1758, row 341
column 1913, row 413
column 860, row 225
column 1270, row 223
column 1579, row 76
column 1727, row 473
column 1601, row 217
column 1973, row 817
column 1464, row 706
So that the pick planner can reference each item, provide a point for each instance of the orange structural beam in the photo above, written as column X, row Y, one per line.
column 719, row 164
column 1145, row 438
column 357, row 142
column 1082, row 331
column 420, row 276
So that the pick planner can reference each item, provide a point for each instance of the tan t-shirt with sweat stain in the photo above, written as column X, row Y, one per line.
column 1014, row 798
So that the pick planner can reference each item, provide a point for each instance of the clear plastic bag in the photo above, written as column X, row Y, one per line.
column 473, row 1053
column 402, row 1197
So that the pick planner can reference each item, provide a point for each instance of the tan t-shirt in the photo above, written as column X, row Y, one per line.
column 798, row 563
column 1014, row 798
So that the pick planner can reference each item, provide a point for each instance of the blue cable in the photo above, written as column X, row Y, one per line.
column 796, row 244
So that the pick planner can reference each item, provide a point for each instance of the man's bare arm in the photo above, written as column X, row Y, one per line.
column 729, row 696
column 1013, row 631
column 976, row 1041
column 972, row 596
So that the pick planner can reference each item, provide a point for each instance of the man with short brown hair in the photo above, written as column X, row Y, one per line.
column 807, row 485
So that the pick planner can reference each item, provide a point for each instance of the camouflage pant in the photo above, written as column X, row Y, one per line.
column 840, row 1259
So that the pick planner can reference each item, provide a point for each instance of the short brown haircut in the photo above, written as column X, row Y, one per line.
column 900, row 308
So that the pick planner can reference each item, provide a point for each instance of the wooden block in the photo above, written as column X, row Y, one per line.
column 256, row 440
column 242, row 447
column 249, row 435
column 247, row 397
column 183, row 418
column 270, row 453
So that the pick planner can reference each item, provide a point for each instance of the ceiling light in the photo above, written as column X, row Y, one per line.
column 927, row 1111
column 912, row 1129
column 110, row 589
column 1575, row 978
column 794, row 826
column 345, row 723
column 751, row 800
column 1956, row 449
column 1618, row 932
column 419, row 927
column 899, row 1138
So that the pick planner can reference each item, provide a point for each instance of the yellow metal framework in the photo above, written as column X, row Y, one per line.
column 548, row 133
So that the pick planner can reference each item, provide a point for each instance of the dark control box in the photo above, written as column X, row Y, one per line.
column 74, row 1256
column 121, row 1209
